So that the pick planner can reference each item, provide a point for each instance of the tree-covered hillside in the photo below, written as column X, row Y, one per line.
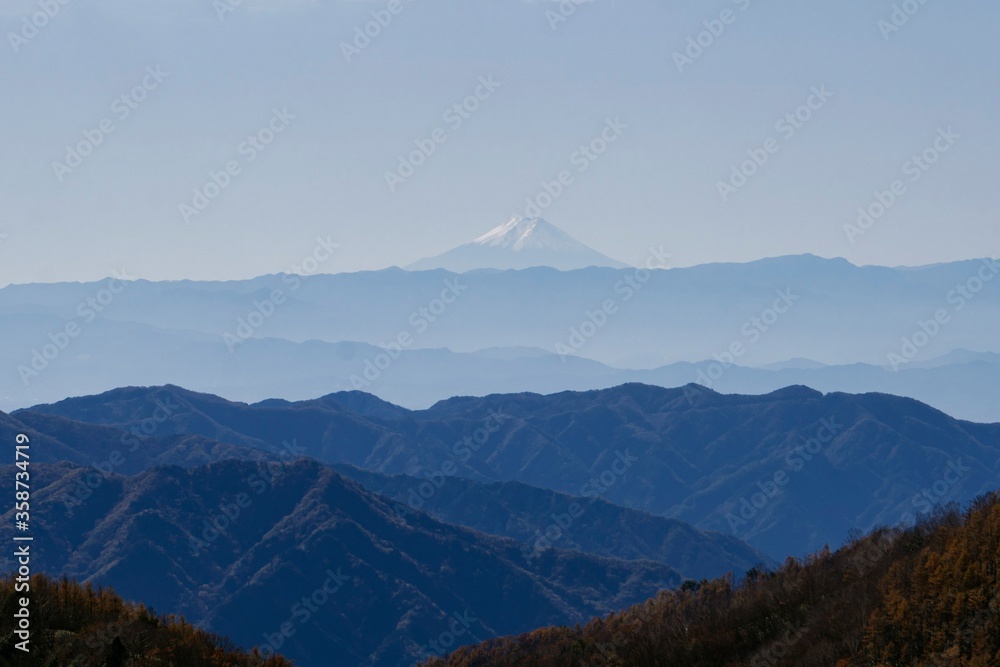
column 73, row 625
column 924, row 595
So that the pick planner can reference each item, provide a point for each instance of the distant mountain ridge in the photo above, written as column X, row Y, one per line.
column 788, row 472
column 514, row 510
column 117, row 498
column 769, row 469
column 306, row 346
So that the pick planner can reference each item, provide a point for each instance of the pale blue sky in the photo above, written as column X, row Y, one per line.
column 324, row 175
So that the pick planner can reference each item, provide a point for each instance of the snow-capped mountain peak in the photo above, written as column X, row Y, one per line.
column 521, row 233
column 517, row 244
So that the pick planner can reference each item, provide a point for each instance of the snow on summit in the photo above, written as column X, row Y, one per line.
column 519, row 243
column 520, row 233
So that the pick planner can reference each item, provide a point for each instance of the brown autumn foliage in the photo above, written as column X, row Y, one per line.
column 924, row 595
column 74, row 625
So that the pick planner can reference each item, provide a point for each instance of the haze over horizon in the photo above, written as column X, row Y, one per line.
column 518, row 244
column 542, row 88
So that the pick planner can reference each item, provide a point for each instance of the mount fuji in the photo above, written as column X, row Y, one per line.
column 519, row 243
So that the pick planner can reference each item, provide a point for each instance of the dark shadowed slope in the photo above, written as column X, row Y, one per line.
column 544, row 519
column 788, row 471
column 237, row 549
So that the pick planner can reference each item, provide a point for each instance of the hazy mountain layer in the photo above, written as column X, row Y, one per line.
column 284, row 335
